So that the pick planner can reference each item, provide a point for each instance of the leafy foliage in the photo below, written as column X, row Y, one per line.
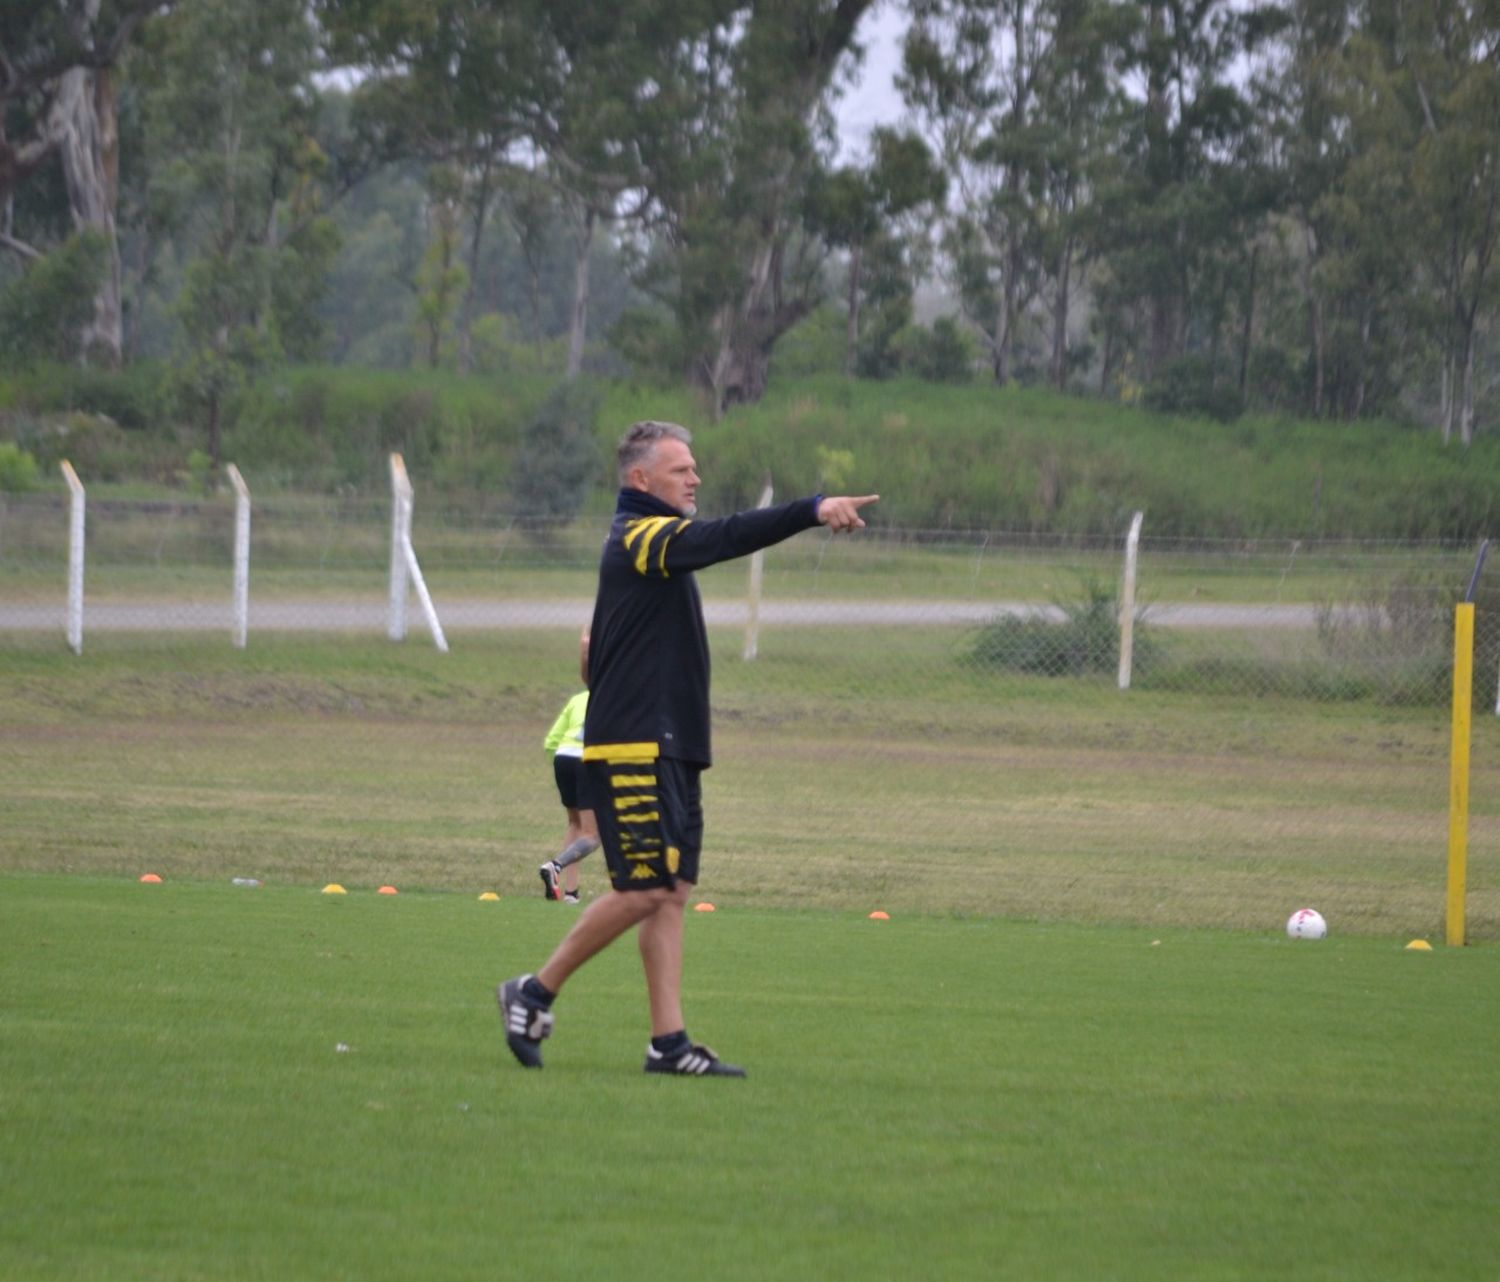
column 17, row 469
column 1086, row 641
column 44, row 310
column 558, row 462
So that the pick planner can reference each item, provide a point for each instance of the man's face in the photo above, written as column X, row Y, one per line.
column 670, row 474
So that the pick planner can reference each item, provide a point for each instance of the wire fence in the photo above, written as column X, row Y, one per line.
column 1269, row 725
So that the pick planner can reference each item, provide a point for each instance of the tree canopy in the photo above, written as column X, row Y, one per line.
column 1290, row 205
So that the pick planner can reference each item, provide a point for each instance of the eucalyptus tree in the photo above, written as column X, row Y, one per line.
column 1185, row 208
column 229, row 109
column 1068, row 148
column 968, row 74
column 1343, row 155
column 1022, row 100
column 725, row 132
column 1442, row 60
column 442, row 82
column 527, row 100
column 58, row 100
column 854, row 206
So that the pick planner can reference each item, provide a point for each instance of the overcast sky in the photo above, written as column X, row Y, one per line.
column 874, row 101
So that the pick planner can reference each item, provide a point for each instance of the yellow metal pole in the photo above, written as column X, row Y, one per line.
column 1458, row 776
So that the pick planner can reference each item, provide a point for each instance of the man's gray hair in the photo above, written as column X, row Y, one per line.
column 641, row 438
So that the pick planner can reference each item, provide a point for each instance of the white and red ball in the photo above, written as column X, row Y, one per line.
column 1306, row 923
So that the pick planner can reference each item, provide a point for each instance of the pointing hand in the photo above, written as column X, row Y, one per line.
column 842, row 513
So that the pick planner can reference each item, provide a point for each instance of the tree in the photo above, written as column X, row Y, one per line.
column 967, row 74
column 442, row 282
column 724, row 132
column 442, row 83
column 230, row 109
column 57, row 66
column 850, row 206
column 1182, row 209
column 1447, row 59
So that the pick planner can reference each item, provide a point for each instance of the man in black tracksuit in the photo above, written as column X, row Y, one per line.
column 646, row 739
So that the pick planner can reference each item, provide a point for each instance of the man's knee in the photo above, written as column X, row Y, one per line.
column 673, row 896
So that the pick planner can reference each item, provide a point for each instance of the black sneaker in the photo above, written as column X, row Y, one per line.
column 696, row 1061
column 525, row 1025
column 550, row 872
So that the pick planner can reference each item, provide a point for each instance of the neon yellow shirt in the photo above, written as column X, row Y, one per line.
column 566, row 736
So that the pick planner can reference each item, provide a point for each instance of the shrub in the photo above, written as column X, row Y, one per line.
column 558, row 460
column 1085, row 641
column 942, row 354
column 135, row 397
column 17, row 469
column 1187, row 386
column 814, row 346
column 43, row 312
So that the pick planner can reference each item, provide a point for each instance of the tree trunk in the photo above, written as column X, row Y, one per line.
column 1247, row 330
column 1000, row 358
column 578, row 317
column 476, row 241
column 1060, row 319
column 84, row 124
column 851, row 335
column 1315, row 321
column 1362, row 378
column 742, row 363
column 215, row 432
column 1445, row 399
column 742, row 372
column 1466, row 390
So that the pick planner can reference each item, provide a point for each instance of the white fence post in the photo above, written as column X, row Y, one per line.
column 757, row 569
column 241, row 556
column 1127, row 601
column 400, row 536
column 75, row 558
column 402, row 551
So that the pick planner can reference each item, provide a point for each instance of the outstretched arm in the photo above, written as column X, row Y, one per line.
column 660, row 546
column 842, row 513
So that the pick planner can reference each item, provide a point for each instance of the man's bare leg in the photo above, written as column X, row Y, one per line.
column 660, row 940
column 602, row 922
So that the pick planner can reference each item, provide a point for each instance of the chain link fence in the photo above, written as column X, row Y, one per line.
column 926, row 711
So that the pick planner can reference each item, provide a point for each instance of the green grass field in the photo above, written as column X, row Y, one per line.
column 1044, row 1066
column 928, row 1098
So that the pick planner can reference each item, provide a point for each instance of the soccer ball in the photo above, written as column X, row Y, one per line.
column 1306, row 923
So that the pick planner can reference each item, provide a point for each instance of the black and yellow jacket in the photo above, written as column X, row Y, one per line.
column 648, row 648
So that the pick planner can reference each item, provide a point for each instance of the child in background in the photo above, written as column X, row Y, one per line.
column 565, row 744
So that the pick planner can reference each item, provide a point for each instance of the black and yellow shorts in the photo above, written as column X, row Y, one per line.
column 650, row 814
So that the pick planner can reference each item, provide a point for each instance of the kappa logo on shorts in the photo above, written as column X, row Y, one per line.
column 641, row 873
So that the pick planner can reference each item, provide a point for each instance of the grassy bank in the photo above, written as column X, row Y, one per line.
column 941, row 456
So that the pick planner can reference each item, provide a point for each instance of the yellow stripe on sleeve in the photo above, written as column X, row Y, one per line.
column 661, row 560
column 641, row 533
column 635, row 799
